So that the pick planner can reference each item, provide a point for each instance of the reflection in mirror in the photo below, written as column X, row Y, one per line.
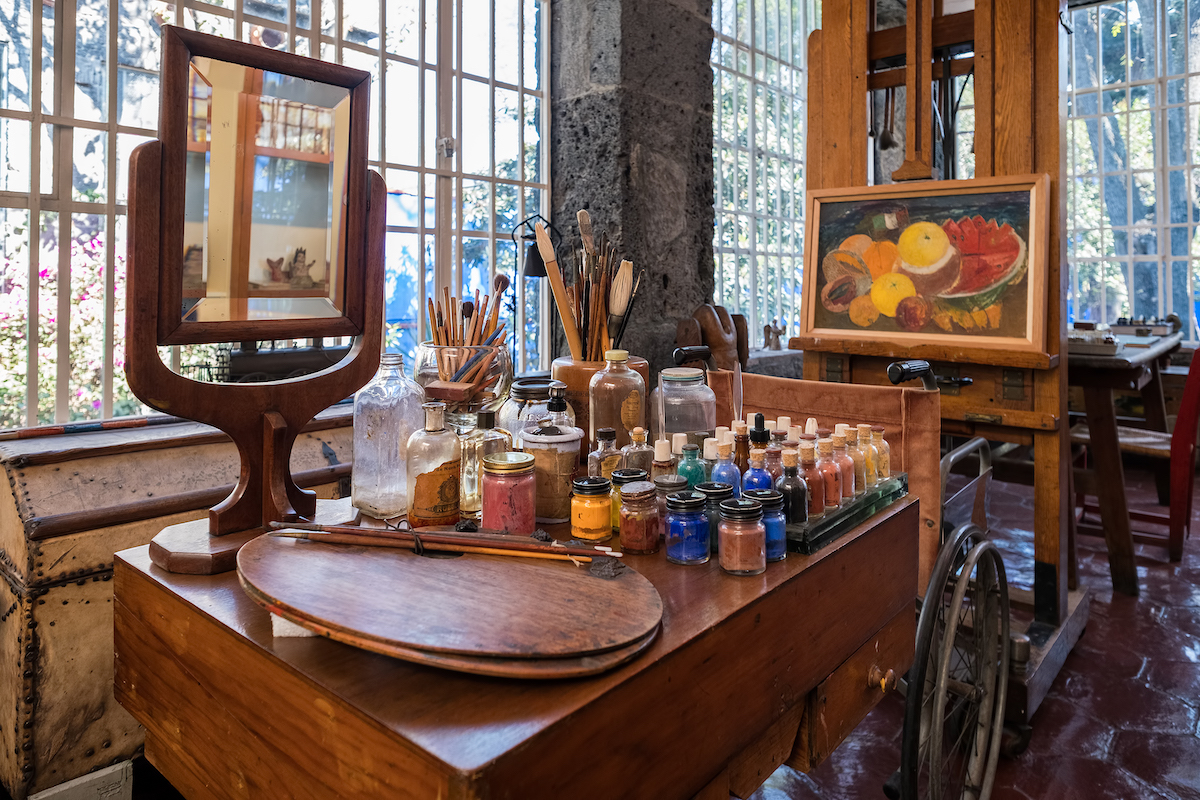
column 264, row 213
column 255, row 361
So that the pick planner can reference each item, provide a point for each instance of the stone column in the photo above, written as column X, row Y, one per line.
column 631, row 141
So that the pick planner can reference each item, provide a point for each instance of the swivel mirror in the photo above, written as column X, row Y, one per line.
column 254, row 217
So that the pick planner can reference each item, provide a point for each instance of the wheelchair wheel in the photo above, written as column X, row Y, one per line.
column 954, row 709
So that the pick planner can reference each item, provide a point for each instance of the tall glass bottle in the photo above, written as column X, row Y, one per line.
column 617, row 398
column 813, row 478
column 741, row 446
column 484, row 441
column 434, row 470
column 860, row 461
column 637, row 454
column 387, row 411
column 606, row 457
column 831, row 472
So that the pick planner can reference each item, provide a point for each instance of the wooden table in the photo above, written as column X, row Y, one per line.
column 747, row 673
column 1135, row 368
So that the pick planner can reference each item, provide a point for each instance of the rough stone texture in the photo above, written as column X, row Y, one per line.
column 631, row 141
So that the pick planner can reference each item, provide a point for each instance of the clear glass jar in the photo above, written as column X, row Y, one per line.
column 845, row 463
column 883, row 450
column 509, row 493
column 606, row 457
column 686, row 405
column 773, row 521
column 860, row 461
column 870, row 454
column 813, row 479
column 387, row 411
column 616, row 398
column 687, row 529
column 528, row 401
column 639, row 521
column 555, row 451
column 434, row 470
column 591, row 509
column 743, row 538
column 714, row 493
column 665, row 486
column 621, row 477
column 485, row 440
column 469, row 379
column 831, row 473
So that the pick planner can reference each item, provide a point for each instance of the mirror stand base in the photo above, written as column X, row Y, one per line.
column 188, row 548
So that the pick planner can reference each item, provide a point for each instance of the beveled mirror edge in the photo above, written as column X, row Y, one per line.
column 179, row 46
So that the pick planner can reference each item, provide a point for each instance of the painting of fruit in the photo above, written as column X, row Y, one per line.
column 936, row 259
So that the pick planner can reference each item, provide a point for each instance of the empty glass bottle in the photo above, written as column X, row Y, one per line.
column 434, row 470
column 637, row 454
column 387, row 411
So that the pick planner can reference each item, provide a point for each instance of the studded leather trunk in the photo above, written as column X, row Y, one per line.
column 75, row 500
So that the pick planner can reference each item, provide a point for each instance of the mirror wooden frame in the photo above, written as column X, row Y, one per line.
column 179, row 47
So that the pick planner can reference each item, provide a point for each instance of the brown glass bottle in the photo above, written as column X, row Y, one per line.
column 741, row 447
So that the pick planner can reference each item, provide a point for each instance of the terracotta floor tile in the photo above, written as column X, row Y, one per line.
column 1165, row 761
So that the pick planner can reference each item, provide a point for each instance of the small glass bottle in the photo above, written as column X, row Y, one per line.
column 831, row 472
column 606, row 457
column 810, row 425
column 509, row 494
column 757, row 477
column 639, row 522
column 387, row 411
column 690, row 467
column 555, row 451
column 793, row 488
column 621, row 477
column 773, row 520
column 860, row 461
column 678, row 442
column 725, row 471
column 665, row 486
column 687, row 529
column 591, row 509
column 870, row 454
column 783, row 423
column 720, row 433
column 741, row 447
column 663, row 465
column 617, row 398
column 637, row 454
column 772, row 459
column 743, row 538
column 845, row 463
column 708, row 455
column 714, row 494
column 813, row 479
column 477, row 445
column 434, row 470
column 760, row 437
column 884, row 450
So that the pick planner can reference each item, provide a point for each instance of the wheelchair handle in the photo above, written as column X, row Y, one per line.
column 900, row 371
column 977, row 445
column 682, row 355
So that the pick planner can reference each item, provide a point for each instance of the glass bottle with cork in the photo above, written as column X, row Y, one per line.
column 606, row 457
column 387, row 411
column 870, row 454
column 639, row 521
column 509, row 493
column 814, row 480
column 741, row 447
column 793, row 488
column 637, row 454
column 477, row 445
column 883, row 450
column 845, row 463
column 757, row 477
column 434, row 471
column 773, row 459
column 616, row 398
column 725, row 471
column 860, row 461
column 831, row 473
column 708, row 455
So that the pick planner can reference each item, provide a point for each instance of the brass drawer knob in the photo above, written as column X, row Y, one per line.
column 886, row 681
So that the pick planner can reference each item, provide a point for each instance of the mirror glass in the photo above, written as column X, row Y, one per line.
column 264, row 215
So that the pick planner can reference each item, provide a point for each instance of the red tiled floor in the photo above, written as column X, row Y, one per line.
column 1122, row 719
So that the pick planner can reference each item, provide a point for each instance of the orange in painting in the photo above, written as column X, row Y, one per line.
column 859, row 243
column 880, row 257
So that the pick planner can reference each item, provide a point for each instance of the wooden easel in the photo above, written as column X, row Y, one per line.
column 1019, row 47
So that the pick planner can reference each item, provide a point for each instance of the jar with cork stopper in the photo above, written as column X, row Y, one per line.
column 741, row 446
column 860, row 461
column 845, row 463
column 814, row 480
column 662, row 464
column 831, row 472
column 637, row 454
column 870, row 454
column 883, row 450
column 757, row 477
column 725, row 471
column 793, row 488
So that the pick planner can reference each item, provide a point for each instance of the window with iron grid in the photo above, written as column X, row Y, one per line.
column 459, row 117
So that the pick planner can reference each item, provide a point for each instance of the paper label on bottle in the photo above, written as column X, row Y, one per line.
column 631, row 410
column 608, row 464
column 435, row 496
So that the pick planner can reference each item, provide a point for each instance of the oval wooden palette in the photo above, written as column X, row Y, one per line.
column 475, row 606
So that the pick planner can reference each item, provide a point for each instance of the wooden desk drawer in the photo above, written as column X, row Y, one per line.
column 841, row 701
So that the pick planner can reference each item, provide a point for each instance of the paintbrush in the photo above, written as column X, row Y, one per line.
column 498, row 540
column 546, row 249
column 616, row 342
column 411, row 544
column 618, row 297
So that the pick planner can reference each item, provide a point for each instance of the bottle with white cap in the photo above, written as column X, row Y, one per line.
column 678, row 440
column 709, row 456
column 783, row 423
column 663, row 463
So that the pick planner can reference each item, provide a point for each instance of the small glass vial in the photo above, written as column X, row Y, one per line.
column 637, row 454
column 793, row 488
column 606, row 457
column 678, row 442
column 387, row 411
column 725, row 471
column 617, row 398
column 639, row 529
column 665, row 486
column 760, row 437
column 813, row 478
column 884, row 450
column 714, row 494
column 743, row 538
column 687, row 529
column 434, row 470
column 591, row 509
column 741, row 447
column 477, row 445
column 509, row 496
column 870, row 454
column 773, row 521
column 845, row 463
column 621, row 477
column 831, row 472
column 782, row 424
column 772, row 459
column 663, row 465
column 756, row 477
column 860, row 461
column 708, row 455
column 691, row 467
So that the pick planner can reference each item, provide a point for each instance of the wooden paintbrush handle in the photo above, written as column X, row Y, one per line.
column 546, row 249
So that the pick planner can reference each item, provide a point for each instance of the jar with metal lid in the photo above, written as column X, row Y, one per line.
column 774, row 521
column 714, row 493
column 743, row 537
column 555, row 451
column 665, row 486
column 509, row 493
column 687, row 529
column 620, row 477
column 683, row 403
column 528, row 401
column 591, row 509
column 639, row 521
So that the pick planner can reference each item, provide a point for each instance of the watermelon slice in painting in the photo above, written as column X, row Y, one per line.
column 993, row 258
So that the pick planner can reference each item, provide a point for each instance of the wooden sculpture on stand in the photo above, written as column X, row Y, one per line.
column 198, row 176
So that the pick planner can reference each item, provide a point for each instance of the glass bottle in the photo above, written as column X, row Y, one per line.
column 639, row 523
column 870, row 454
column 621, row 477
column 782, row 424
column 434, row 469
column 678, row 442
column 664, row 487
column 831, row 473
column 810, row 425
column 687, row 529
column 480, row 443
column 773, row 457
column 773, row 521
column 741, row 447
column 606, row 457
column 708, row 455
column 637, row 454
column 555, row 451
column 663, row 465
column 688, row 405
column 757, row 477
column 387, row 411
column 526, row 403
column 690, row 467
column 617, row 398
column 725, row 471
column 714, row 494
column 845, row 463
column 793, row 488
column 884, row 452
column 760, row 437
column 591, row 509
column 742, row 537
column 509, row 493
column 813, row 479
column 860, row 461
column 720, row 433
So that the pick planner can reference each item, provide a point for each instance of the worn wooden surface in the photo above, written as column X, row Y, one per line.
column 232, row 712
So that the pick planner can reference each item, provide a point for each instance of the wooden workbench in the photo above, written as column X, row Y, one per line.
column 746, row 674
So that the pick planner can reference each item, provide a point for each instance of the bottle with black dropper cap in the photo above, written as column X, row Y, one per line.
column 760, row 437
